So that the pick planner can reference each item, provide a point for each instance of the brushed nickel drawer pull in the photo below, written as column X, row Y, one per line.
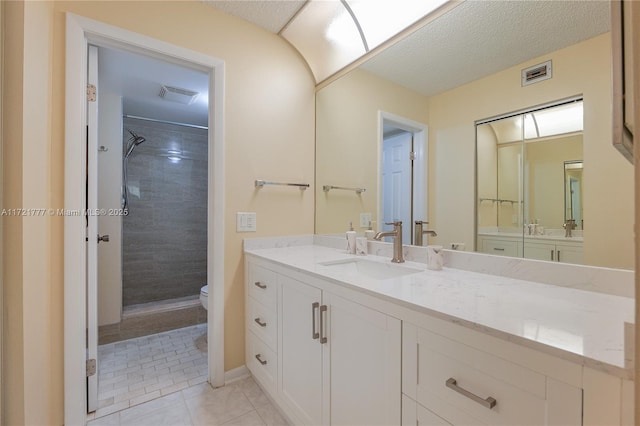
column 260, row 285
column 314, row 333
column 551, row 254
column 260, row 360
column 323, row 337
column 260, row 323
column 558, row 256
column 489, row 402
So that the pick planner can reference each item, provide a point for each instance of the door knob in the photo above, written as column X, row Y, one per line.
column 103, row 238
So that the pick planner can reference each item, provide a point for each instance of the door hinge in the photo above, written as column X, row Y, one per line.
column 412, row 155
column 91, row 367
column 91, row 93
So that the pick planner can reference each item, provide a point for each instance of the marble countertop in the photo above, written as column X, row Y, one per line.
column 578, row 325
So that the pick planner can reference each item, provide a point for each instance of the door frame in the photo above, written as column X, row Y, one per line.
column 420, row 164
column 81, row 31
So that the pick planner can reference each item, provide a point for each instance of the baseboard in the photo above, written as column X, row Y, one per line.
column 236, row 374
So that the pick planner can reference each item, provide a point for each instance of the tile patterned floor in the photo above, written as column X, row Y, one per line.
column 159, row 318
column 138, row 370
column 241, row 403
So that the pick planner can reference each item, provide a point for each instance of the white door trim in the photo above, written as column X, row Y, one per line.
column 92, row 230
column 79, row 32
column 420, row 146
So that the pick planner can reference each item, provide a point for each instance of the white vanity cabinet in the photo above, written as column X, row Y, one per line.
column 338, row 361
column 552, row 250
column 454, row 383
column 502, row 246
column 567, row 252
column 347, row 352
column 261, row 325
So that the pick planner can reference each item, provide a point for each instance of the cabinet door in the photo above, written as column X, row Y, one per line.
column 540, row 251
column 364, row 348
column 570, row 254
column 500, row 247
column 300, row 351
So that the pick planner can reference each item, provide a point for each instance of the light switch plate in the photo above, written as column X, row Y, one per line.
column 365, row 219
column 246, row 222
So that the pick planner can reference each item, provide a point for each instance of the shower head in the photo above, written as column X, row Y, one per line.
column 134, row 141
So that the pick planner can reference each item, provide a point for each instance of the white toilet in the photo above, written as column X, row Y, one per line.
column 204, row 296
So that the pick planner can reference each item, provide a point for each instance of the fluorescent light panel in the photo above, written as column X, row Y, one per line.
column 327, row 36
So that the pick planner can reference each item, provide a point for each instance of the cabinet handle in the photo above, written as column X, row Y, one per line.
column 552, row 254
column 558, row 256
column 323, row 337
column 498, row 249
column 314, row 333
column 260, row 323
column 260, row 285
column 260, row 360
column 489, row 402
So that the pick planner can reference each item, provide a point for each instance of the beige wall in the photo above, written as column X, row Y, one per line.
column 1, row 217
column 269, row 134
column 608, row 177
column 487, row 176
column 347, row 151
column 32, row 363
column 545, row 164
column 12, row 226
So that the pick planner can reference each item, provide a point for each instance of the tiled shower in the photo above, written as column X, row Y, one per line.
column 164, row 237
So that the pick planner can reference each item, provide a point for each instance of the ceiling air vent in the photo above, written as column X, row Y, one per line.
column 176, row 94
column 536, row 73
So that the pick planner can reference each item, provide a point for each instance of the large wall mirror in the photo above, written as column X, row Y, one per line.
column 529, row 183
column 441, row 82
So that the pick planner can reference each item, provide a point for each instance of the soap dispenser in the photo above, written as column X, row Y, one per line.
column 370, row 233
column 351, row 239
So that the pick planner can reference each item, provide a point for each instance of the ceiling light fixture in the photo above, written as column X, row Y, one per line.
column 332, row 34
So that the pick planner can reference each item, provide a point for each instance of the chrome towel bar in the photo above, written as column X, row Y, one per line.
column 260, row 183
column 327, row 188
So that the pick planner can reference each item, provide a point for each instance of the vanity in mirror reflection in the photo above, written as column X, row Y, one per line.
column 529, row 183
column 466, row 65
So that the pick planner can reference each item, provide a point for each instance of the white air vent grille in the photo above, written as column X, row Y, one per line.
column 536, row 73
column 176, row 94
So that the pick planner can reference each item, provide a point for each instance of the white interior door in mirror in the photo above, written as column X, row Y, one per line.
column 397, row 182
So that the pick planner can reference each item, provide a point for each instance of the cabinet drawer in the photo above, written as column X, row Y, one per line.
column 262, row 285
column 456, row 382
column 500, row 247
column 415, row 414
column 263, row 322
column 262, row 361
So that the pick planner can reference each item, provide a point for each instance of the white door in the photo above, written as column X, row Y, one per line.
column 365, row 364
column 397, row 181
column 92, row 227
column 301, row 350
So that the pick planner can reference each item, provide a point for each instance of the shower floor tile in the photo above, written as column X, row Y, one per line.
column 135, row 371
column 145, row 322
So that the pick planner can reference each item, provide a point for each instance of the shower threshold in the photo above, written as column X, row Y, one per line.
column 160, row 306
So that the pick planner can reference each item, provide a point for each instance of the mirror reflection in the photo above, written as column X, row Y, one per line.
column 525, row 163
column 573, row 192
column 464, row 66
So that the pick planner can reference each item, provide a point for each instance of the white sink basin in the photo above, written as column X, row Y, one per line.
column 374, row 270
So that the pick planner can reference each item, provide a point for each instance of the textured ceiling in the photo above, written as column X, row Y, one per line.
column 271, row 15
column 479, row 38
column 473, row 40
column 138, row 80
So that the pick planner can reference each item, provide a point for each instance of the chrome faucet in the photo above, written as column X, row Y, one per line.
column 397, row 241
column 569, row 226
column 419, row 231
